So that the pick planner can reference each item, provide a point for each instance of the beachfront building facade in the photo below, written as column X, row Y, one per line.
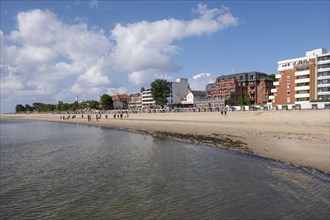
column 135, row 101
column 230, row 88
column 147, row 99
column 304, row 79
column 194, row 97
column 178, row 92
column 120, row 101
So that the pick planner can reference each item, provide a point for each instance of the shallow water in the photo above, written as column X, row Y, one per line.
column 68, row 171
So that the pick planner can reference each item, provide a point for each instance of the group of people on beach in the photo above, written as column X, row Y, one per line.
column 223, row 111
column 120, row 115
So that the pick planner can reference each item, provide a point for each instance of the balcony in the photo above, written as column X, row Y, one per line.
column 323, row 69
column 302, row 73
column 306, row 80
column 278, row 76
column 301, row 88
column 273, row 90
column 304, row 95
column 323, row 77
column 323, row 62
column 276, row 83
column 323, row 85
column 323, row 93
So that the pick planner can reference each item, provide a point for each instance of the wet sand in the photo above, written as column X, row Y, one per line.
column 299, row 137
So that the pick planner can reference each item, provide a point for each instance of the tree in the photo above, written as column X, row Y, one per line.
column 106, row 102
column 272, row 76
column 160, row 90
column 142, row 89
column 20, row 108
column 28, row 108
column 244, row 101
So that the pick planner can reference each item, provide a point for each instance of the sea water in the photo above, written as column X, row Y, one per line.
column 70, row 171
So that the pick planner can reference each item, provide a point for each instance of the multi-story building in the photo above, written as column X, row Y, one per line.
column 135, row 101
column 147, row 99
column 301, row 80
column 323, row 76
column 120, row 101
column 179, row 90
column 254, row 85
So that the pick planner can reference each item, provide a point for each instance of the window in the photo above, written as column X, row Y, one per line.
column 288, row 92
column 288, row 99
column 288, row 86
column 288, row 78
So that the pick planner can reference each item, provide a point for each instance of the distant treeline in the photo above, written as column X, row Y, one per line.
column 43, row 107
column 104, row 104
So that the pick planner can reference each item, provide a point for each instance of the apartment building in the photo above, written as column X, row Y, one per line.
column 255, row 85
column 323, row 76
column 135, row 100
column 301, row 80
column 147, row 99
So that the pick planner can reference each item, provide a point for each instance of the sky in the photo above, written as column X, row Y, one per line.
column 53, row 51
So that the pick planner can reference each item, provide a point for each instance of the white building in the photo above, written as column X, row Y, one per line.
column 147, row 99
column 303, row 79
column 323, row 76
column 194, row 97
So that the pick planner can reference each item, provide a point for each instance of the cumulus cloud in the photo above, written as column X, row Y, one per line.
column 47, row 58
column 148, row 45
column 199, row 81
column 43, row 52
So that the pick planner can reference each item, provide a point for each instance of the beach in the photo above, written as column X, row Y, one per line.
column 298, row 137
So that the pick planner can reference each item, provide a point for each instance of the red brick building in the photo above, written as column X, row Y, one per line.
column 254, row 85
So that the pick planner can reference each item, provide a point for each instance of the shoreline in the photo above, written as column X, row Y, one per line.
column 299, row 138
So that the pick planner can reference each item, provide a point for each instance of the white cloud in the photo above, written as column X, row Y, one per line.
column 119, row 90
column 44, row 54
column 47, row 59
column 142, row 46
column 199, row 81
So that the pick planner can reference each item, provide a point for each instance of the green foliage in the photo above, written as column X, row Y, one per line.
column 28, row 108
column 272, row 76
column 325, row 100
column 142, row 89
column 20, row 108
column 60, row 107
column 160, row 90
column 106, row 102
column 244, row 101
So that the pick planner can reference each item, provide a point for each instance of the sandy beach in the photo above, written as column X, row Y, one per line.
column 295, row 137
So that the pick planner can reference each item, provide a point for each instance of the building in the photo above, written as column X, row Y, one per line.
column 193, row 97
column 147, row 99
column 229, row 89
column 135, row 101
column 120, row 101
column 301, row 80
column 179, row 90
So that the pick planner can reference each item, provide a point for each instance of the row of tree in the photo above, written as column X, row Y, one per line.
column 104, row 104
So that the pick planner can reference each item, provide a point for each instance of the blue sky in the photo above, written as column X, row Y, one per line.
column 56, row 50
